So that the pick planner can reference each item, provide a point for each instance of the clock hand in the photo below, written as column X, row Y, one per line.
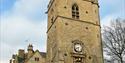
column 77, row 47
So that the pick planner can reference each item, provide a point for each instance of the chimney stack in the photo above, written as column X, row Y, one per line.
column 30, row 50
column 21, row 53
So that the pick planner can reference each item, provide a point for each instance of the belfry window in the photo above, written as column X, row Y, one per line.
column 75, row 11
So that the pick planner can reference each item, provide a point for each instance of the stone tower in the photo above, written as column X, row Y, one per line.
column 74, row 32
column 30, row 50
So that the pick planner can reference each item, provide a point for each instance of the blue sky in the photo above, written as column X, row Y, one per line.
column 6, row 4
column 23, row 20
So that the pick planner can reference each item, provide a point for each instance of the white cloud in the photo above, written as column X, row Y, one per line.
column 107, row 19
column 14, row 32
column 110, row 10
column 21, row 28
column 28, row 7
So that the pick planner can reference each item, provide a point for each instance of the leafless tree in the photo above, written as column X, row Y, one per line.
column 114, row 40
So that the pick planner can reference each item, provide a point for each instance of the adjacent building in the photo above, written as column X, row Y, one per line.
column 28, row 57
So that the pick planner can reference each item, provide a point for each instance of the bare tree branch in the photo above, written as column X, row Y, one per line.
column 114, row 39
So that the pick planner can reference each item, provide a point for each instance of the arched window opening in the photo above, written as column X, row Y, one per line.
column 75, row 11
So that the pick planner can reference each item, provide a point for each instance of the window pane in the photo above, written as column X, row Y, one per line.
column 77, row 17
column 77, row 8
column 77, row 13
column 73, row 8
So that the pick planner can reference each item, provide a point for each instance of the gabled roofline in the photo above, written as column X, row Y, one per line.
column 33, row 55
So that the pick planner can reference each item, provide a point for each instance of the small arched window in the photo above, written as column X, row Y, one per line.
column 75, row 11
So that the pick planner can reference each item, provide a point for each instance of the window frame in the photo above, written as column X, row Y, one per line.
column 36, row 58
column 75, row 11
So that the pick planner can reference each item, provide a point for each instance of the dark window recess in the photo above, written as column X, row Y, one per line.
column 75, row 11
column 97, row 35
column 95, row 11
column 48, row 37
column 65, row 54
column 65, row 7
column 36, row 59
column 89, row 57
column 86, row 12
column 86, row 27
column 52, row 20
column 66, row 23
column 52, row 10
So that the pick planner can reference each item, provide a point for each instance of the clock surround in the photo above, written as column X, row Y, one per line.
column 78, row 47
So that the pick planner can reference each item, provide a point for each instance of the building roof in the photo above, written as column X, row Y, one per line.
column 43, row 54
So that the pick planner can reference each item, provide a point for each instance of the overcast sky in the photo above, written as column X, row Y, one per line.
column 24, row 21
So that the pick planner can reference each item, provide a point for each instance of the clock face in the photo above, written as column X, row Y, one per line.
column 78, row 47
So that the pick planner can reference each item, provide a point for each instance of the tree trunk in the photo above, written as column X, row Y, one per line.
column 121, row 60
